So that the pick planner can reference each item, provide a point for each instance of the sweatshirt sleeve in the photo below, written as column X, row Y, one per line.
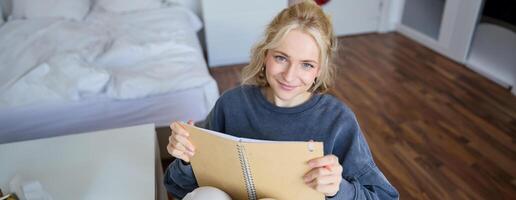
column 179, row 179
column 215, row 119
column 362, row 179
column 346, row 191
column 371, row 185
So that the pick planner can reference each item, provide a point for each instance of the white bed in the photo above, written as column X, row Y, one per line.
column 108, row 70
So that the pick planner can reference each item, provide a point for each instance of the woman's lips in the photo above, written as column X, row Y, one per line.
column 286, row 86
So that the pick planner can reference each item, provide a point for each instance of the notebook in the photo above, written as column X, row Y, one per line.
column 253, row 169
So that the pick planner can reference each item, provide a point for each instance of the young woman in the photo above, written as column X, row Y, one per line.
column 283, row 98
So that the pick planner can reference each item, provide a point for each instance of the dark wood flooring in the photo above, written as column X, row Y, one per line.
column 436, row 129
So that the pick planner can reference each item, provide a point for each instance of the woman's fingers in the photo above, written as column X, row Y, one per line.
column 328, row 185
column 179, row 154
column 178, row 129
column 316, row 172
column 327, row 160
column 325, row 180
column 179, row 144
column 325, row 175
column 185, row 142
column 180, row 135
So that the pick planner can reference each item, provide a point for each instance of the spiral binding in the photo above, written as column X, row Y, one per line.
column 246, row 170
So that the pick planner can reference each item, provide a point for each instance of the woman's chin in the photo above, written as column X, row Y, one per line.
column 284, row 95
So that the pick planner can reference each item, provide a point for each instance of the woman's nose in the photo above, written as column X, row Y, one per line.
column 290, row 73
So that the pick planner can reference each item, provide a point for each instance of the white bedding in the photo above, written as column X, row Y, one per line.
column 42, row 121
column 120, row 56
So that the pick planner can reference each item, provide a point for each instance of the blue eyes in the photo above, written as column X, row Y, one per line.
column 283, row 59
column 280, row 59
column 307, row 65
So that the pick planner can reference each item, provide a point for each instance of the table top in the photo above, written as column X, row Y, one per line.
column 109, row 164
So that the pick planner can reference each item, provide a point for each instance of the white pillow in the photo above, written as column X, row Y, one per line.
column 65, row 9
column 120, row 6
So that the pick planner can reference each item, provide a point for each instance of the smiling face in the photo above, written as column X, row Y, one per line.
column 291, row 69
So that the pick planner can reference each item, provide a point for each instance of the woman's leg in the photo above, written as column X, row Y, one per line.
column 207, row 193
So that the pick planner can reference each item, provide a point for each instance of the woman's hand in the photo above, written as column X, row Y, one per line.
column 325, row 175
column 179, row 144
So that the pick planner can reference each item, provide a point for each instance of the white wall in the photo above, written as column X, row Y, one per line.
column 232, row 27
column 354, row 17
column 458, row 23
column 429, row 12
column 391, row 15
column 349, row 17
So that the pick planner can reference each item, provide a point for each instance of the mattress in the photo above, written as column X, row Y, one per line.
column 64, row 77
column 121, row 56
column 55, row 119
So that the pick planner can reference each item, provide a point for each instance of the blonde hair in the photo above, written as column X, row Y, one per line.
column 305, row 16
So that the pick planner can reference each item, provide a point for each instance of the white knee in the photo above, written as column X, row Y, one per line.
column 207, row 193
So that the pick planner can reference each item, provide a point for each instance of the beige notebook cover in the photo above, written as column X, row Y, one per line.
column 253, row 169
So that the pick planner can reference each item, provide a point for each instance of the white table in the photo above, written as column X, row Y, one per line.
column 112, row 164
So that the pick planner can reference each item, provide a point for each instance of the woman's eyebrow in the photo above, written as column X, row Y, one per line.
column 280, row 52
column 308, row 61
column 286, row 55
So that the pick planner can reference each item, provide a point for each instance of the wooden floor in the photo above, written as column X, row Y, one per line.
column 436, row 129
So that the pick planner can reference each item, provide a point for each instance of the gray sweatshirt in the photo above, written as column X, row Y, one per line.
column 245, row 112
